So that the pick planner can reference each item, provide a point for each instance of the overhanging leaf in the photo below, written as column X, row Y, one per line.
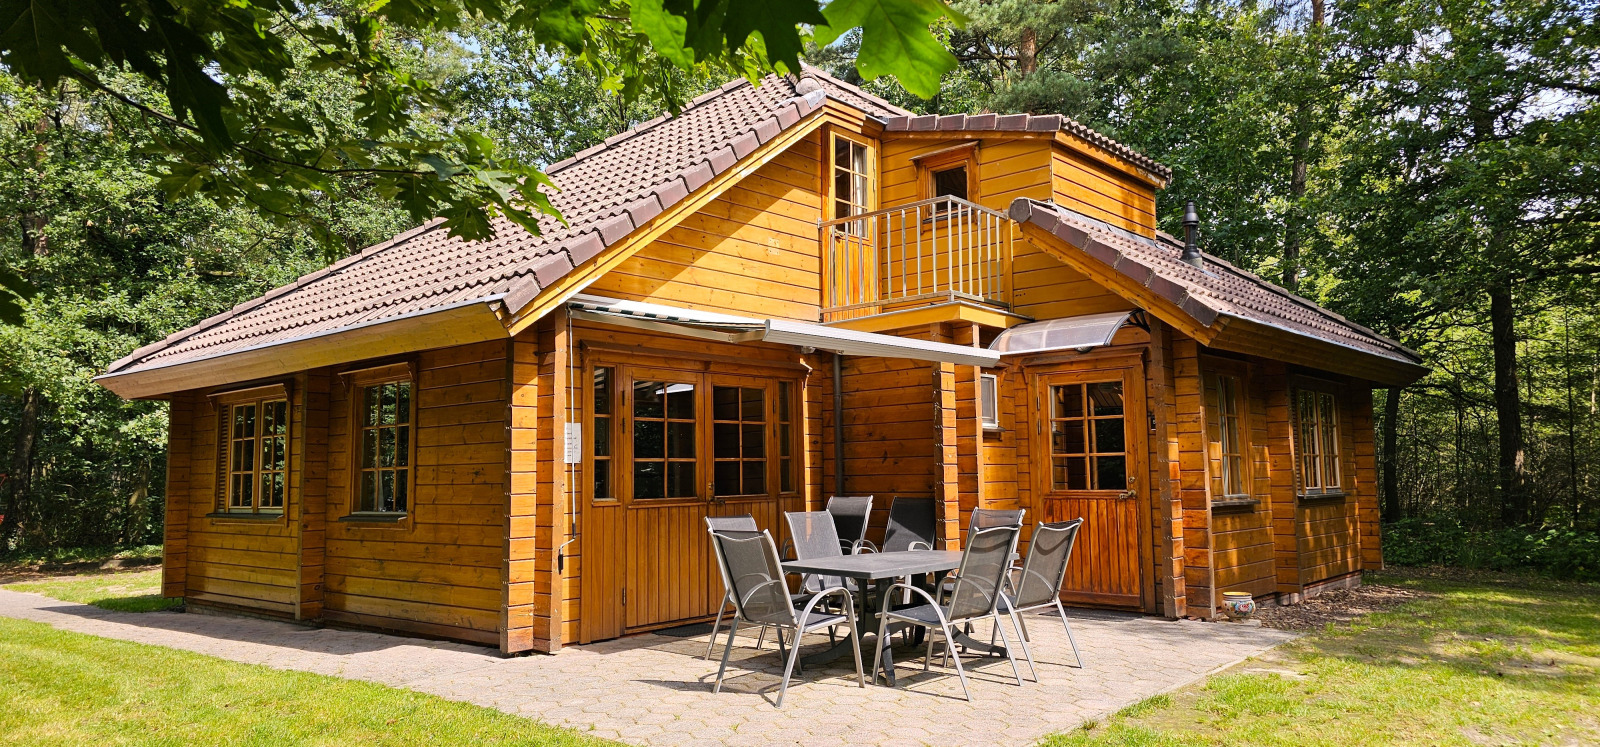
column 895, row 39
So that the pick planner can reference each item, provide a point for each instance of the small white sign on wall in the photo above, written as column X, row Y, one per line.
column 573, row 453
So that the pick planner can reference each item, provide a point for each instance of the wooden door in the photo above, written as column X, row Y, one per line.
column 1091, row 452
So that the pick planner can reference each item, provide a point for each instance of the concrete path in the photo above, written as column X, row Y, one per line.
column 654, row 689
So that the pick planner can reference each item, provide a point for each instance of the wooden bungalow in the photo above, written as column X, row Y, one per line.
column 788, row 291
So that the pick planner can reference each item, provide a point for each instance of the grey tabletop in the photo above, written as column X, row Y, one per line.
column 873, row 566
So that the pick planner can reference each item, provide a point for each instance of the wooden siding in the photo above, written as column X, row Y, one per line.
column 752, row 251
column 438, row 571
column 1099, row 191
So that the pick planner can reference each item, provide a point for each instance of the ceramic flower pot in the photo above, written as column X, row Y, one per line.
column 1238, row 605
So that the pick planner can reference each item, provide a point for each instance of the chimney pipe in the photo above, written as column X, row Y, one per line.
column 1191, row 236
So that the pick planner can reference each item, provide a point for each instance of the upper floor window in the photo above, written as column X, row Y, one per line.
column 1317, row 441
column 256, row 447
column 853, row 182
column 950, row 182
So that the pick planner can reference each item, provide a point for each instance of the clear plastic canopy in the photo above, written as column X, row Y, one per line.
column 1073, row 333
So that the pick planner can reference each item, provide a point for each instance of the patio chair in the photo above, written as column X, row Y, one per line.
column 985, row 518
column 912, row 525
column 1038, row 584
column 851, row 515
column 984, row 566
column 751, row 569
column 745, row 523
column 812, row 537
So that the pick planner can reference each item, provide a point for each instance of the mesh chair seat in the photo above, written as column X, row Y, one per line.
column 926, row 614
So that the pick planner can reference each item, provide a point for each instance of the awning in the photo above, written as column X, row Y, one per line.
column 728, row 328
column 1073, row 333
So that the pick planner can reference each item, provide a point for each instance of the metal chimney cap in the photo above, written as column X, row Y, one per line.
column 1191, row 232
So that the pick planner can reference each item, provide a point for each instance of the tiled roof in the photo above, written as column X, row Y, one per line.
column 604, row 192
column 1026, row 123
column 1217, row 289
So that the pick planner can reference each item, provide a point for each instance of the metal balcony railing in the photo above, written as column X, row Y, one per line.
column 942, row 249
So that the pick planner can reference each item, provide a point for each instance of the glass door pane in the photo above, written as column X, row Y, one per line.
column 664, row 448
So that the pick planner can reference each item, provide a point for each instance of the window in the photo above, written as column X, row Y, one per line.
column 786, row 432
column 600, row 455
column 664, row 423
column 738, row 440
column 383, row 484
column 989, row 401
column 852, row 179
column 951, row 182
column 1087, row 441
column 1317, row 441
column 1227, row 437
column 256, row 433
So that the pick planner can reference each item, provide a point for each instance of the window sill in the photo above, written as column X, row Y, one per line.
column 1227, row 502
column 1332, row 495
column 244, row 516
column 375, row 518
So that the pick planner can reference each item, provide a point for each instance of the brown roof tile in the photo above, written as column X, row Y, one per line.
column 1217, row 289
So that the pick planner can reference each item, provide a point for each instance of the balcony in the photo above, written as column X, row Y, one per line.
column 934, row 251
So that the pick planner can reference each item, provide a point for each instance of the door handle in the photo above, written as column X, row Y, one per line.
column 1129, row 494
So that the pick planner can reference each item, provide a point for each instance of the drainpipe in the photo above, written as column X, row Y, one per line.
column 838, row 425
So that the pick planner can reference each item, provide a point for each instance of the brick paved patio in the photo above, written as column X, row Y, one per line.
column 655, row 689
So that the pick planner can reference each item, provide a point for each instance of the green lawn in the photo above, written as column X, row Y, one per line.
column 1492, row 660
column 61, row 688
column 125, row 592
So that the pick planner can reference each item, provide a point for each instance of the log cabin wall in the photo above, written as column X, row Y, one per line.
column 440, row 570
column 1096, row 189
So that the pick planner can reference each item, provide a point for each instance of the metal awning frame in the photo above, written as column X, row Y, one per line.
column 734, row 329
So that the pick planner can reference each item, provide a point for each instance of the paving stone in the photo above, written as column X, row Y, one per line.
column 656, row 690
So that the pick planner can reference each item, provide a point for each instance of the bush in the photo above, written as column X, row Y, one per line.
column 1562, row 553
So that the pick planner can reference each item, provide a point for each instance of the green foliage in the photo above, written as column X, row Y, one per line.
column 207, row 81
column 1557, row 552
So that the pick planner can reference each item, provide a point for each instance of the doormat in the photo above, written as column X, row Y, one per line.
column 686, row 631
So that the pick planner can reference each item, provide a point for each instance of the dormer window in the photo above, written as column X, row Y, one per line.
column 951, row 182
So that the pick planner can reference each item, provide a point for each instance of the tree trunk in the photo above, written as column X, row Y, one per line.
column 19, row 482
column 1300, row 156
column 1507, row 404
column 1028, row 53
column 1391, row 460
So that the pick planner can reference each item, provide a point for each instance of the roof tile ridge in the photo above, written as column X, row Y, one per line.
column 808, row 69
column 645, row 126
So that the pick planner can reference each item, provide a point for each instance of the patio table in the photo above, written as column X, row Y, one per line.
column 881, row 570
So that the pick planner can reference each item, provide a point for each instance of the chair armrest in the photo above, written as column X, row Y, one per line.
column 811, row 604
column 857, row 546
column 925, row 545
column 937, row 608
